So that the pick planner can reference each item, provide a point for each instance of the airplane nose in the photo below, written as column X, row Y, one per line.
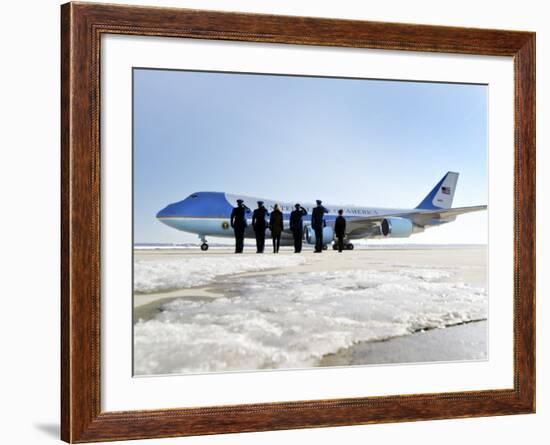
column 163, row 213
column 177, row 209
column 201, row 204
column 171, row 215
column 170, row 210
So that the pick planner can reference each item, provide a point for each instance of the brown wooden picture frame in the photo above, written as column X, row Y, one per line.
column 82, row 25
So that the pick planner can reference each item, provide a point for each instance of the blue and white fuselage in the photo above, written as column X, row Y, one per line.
column 208, row 214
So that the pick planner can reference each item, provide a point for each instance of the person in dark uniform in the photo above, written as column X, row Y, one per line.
column 340, row 229
column 259, row 224
column 238, row 222
column 318, row 223
column 297, row 226
column 276, row 226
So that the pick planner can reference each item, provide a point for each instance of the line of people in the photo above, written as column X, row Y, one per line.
column 260, row 224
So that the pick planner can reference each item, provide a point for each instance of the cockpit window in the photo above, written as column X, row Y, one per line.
column 194, row 196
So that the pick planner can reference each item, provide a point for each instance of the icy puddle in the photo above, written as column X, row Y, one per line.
column 291, row 320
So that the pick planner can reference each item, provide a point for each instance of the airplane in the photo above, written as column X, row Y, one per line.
column 208, row 214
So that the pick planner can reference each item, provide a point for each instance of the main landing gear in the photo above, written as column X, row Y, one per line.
column 347, row 246
column 204, row 245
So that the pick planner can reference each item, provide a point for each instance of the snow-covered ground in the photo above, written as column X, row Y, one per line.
column 157, row 275
column 291, row 320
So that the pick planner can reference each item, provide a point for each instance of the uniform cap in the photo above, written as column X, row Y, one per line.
column 260, row 203
column 319, row 202
column 239, row 201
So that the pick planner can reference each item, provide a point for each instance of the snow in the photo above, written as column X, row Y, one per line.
column 153, row 275
column 292, row 320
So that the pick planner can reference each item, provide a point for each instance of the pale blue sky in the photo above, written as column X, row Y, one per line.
column 357, row 141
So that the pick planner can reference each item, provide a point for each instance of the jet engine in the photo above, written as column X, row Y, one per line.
column 328, row 235
column 397, row 227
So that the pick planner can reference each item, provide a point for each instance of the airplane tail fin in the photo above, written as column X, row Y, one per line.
column 441, row 196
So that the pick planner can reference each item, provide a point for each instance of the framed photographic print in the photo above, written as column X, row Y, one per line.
column 276, row 222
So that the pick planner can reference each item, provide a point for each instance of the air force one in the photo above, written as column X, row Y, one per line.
column 208, row 214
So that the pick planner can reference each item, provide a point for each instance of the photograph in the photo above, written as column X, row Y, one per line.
column 297, row 222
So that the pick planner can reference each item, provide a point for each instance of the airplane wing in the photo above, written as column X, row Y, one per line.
column 445, row 213
column 368, row 225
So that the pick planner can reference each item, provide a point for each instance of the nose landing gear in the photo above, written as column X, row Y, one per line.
column 204, row 245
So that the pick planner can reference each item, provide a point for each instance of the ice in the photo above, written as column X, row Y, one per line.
column 154, row 275
column 292, row 320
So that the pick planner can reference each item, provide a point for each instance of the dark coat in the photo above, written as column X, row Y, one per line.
column 340, row 226
column 318, row 217
column 238, row 217
column 259, row 218
column 276, row 224
column 296, row 216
